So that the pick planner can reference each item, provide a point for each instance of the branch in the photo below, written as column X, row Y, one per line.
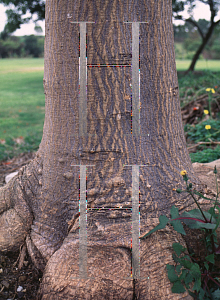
column 212, row 9
column 204, row 1
column 196, row 25
column 216, row 23
column 203, row 143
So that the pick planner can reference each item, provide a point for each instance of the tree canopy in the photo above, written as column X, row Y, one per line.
column 16, row 15
column 205, row 30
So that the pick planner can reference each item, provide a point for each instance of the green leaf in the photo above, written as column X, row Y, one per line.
column 178, row 248
column 197, row 285
column 186, row 263
column 206, row 265
column 196, row 272
column 175, row 258
column 163, row 222
column 216, row 295
column 194, row 219
column 178, row 287
column 177, row 225
column 174, row 212
column 196, row 213
column 189, row 278
column 212, row 211
column 202, row 294
column 217, row 216
column 171, row 273
column 187, row 257
column 211, row 258
column 183, row 274
column 214, row 214
column 203, row 225
column 178, row 269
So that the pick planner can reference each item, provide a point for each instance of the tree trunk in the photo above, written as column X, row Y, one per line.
column 41, row 204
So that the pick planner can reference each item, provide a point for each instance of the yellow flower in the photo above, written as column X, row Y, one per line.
column 183, row 172
column 210, row 90
column 207, row 127
column 206, row 112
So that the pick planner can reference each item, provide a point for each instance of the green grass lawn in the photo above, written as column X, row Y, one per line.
column 22, row 100
column 22, row 104
column 21, row 65
column 208, row 65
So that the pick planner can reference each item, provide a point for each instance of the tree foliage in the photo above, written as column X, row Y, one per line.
column 26, row 46
column 20, row 8
column 187, row 39
column 204, row 31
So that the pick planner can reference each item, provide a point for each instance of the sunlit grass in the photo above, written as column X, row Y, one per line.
column 205, row 65
column 22, row 102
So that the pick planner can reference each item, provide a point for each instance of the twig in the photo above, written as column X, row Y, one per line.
column 15, row 263
column 22, row 257
column 201, row 143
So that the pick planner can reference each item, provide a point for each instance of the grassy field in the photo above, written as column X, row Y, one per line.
column 208, row 65
column 21, row 105
column 21, row 65
column 22, row 100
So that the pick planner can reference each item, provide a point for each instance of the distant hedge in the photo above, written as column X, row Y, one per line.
column 22, row 46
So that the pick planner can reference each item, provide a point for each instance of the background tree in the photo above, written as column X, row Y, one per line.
column 212, row 51
column 40, row 206
column 187, row 39
column 32, row 46
column 15, row 15
column 11, row 47
column 204, row 31
column 16, row 46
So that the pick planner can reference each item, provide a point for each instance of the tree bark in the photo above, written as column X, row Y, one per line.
column 42, row 203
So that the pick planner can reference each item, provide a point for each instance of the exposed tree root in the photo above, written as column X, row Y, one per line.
column 109, row 263
column 109, row 269
column 16, row 215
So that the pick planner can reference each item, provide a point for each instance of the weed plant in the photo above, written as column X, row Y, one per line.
column 199, row 132
column 200, row 276
column 195, row 84
column 191, row 87
column 206, row 155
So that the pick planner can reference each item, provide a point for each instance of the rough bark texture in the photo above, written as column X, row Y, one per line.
column 42, row 203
